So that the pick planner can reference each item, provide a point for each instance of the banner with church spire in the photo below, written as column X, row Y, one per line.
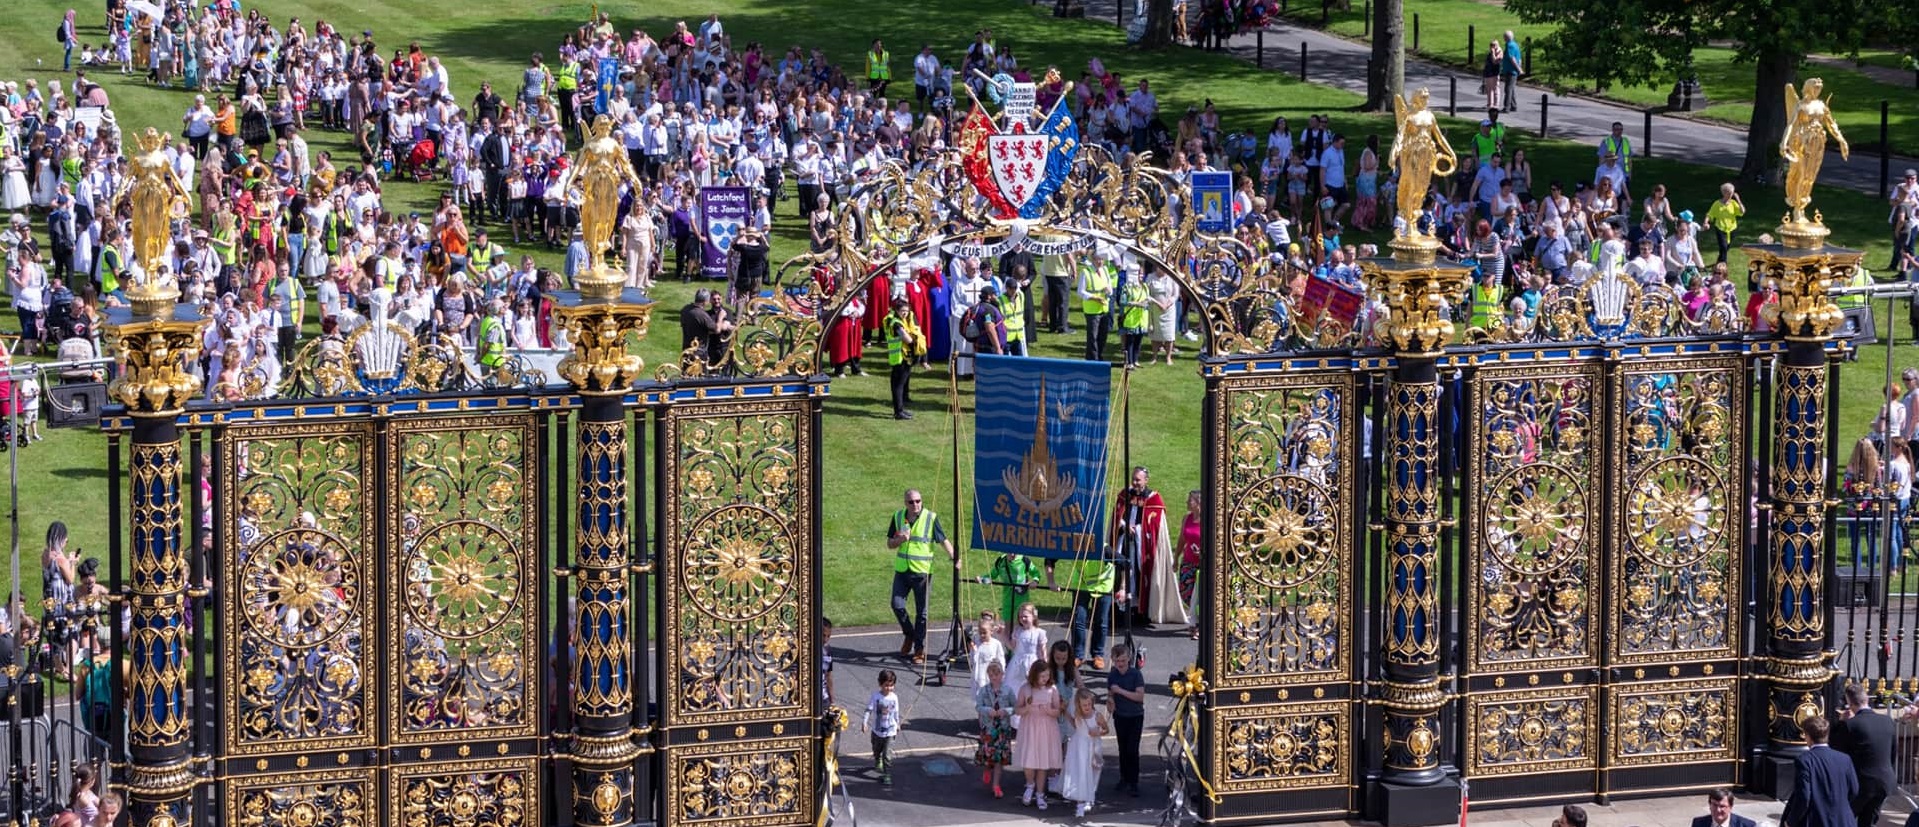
column 1039, row 456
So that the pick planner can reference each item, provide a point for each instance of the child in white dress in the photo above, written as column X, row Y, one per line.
column 1080, row 775
column 1029, row 643
column 987, row 650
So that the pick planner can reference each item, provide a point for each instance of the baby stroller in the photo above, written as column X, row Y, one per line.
column 420, row 160
column 60, row 323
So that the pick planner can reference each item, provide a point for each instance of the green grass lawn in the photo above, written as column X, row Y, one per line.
column 1446, row 26
column 868, row 457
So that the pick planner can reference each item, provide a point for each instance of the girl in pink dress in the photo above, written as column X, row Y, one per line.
column 1037, row 748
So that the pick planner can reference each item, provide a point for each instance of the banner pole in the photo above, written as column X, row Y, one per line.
column 956, row 636
column 1126, row 470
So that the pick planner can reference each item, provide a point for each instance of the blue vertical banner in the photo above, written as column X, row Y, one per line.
column 1212, row 199
column 724, row 213
column 608, row 77
column 1039, row 456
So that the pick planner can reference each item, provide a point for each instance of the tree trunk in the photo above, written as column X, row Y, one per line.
column 1159, row 24
column 1386, row 71
column 1775, row 68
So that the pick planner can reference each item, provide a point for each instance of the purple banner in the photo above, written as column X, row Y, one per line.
column 724, row 213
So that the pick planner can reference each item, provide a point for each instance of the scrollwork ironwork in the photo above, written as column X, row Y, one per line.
column 1281, row 747
column 463, row 538
column 299, row 649
column 1672, row 722
column 735, row 638
column 745, row 784
column 1524, row 732
column 1679, row 454
column 1535, row 472
column 1286, row 577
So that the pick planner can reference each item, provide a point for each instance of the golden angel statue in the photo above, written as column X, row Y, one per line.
column 1804, row 145
column 157, row 194
column 1419, row 152
column 602, row 167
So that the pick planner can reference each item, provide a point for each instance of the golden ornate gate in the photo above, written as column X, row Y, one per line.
column 1280, row 599
column 742, row 688
column 381, row 621
column 1604, row 568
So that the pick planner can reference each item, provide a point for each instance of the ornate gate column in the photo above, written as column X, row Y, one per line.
column 158, row 340
column 1798, row 666
column 1414, row 787
column 600, row 320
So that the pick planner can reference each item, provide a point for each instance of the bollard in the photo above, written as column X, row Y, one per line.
column 1366, row 24
column 1885, row 148
column 1526, row 59
column 1119, row 9
column 1472, row 43
column 1302, row 61
column 1415, row 31
column 1452, row 95
column 1544, row 101
column 1259, row 48
column 1645, row 148
column 1325, row 13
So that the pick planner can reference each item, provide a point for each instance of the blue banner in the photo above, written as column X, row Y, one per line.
column 609, row 77
column 1039, row 456
column 1212, row 198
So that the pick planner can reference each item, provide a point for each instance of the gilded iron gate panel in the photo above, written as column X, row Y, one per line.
column 1280, row 573
column 742, row 687
column 381, row 633
column 464, row 620
column 1680, row 465
column 301, row 641
column 1533, row 467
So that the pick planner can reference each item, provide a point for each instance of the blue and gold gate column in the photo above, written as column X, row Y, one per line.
column 157, row 341
column 1414, row 785
column 1798, row 665
column 600, row 320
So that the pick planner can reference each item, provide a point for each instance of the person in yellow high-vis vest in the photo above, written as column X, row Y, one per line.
column 905, row 343
column 1485, row 300
column 565, row 87
column 1013, row 305
column 1092, row 586
column 1095, row 302
column 879, row 68
column 1132, row 316
column 912, row 534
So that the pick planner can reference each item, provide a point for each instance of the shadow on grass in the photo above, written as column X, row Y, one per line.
column 87, row 473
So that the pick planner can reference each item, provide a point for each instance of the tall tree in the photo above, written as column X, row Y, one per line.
column 1159, row 24
column 1386, row 72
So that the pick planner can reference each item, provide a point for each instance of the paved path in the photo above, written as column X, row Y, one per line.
column 1341, row 63
column 935, row 781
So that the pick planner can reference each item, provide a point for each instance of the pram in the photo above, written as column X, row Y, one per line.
column 420, row 160
column 59, row 323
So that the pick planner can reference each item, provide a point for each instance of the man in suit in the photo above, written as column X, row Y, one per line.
column 1867, row 737
column 1825, row 787
column 1719, row 812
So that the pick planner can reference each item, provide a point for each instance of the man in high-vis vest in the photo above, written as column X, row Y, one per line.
column 1617, row 145
column 879, row 69
column 1096, row 301
column 1013, row 305
column 912, row 534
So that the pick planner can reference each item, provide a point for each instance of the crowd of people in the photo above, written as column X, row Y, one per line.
column 278, row 223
